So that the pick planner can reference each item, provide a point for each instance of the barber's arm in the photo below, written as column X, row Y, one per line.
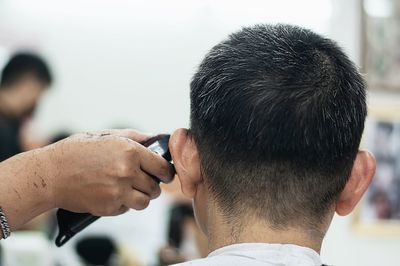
column 101, row 173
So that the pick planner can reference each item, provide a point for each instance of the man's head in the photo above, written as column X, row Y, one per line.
column 23, row 80
column 277, row 114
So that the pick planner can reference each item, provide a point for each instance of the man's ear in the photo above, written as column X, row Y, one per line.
column 186, row 160
column 359, row 180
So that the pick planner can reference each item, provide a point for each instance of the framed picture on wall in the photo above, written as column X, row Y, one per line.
column 379, row 210
column 381, row 44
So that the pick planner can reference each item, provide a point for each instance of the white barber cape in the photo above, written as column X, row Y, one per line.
column 259, row 254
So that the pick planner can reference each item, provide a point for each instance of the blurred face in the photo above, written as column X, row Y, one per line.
column 27, row 94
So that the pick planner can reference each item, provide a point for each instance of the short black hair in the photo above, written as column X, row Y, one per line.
column 22, row 64
column 179, row 213
column 277, row 114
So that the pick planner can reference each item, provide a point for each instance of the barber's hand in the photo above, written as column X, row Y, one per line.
column 106, row 173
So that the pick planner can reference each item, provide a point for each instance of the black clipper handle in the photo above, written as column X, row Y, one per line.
column 71, row 223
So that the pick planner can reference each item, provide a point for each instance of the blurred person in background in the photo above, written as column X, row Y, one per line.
column 23, row 80
column 185, row 239
column 101, row 250
column 117, row 171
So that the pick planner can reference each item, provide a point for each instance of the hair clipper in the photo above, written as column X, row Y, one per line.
column 71, row 223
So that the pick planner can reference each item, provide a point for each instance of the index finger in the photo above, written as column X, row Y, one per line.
column 155, row 165
column 128, row 133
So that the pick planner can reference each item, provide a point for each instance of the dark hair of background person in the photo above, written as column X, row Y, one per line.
column 178, row 214
column 277, row 114
column 96, row 250
column 23, row 64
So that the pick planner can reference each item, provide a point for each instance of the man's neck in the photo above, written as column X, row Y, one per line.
column 222, row 233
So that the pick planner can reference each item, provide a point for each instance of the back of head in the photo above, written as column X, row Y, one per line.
column 277, row 114
column 25, row 64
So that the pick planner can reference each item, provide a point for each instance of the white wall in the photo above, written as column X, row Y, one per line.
column 129, row 63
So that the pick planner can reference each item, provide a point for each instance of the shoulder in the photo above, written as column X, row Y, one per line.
column 259, row 254
column 224, row 261
column 197, row 262
column 209, row 261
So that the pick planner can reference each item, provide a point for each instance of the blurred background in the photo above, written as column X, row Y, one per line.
column 128, row 63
